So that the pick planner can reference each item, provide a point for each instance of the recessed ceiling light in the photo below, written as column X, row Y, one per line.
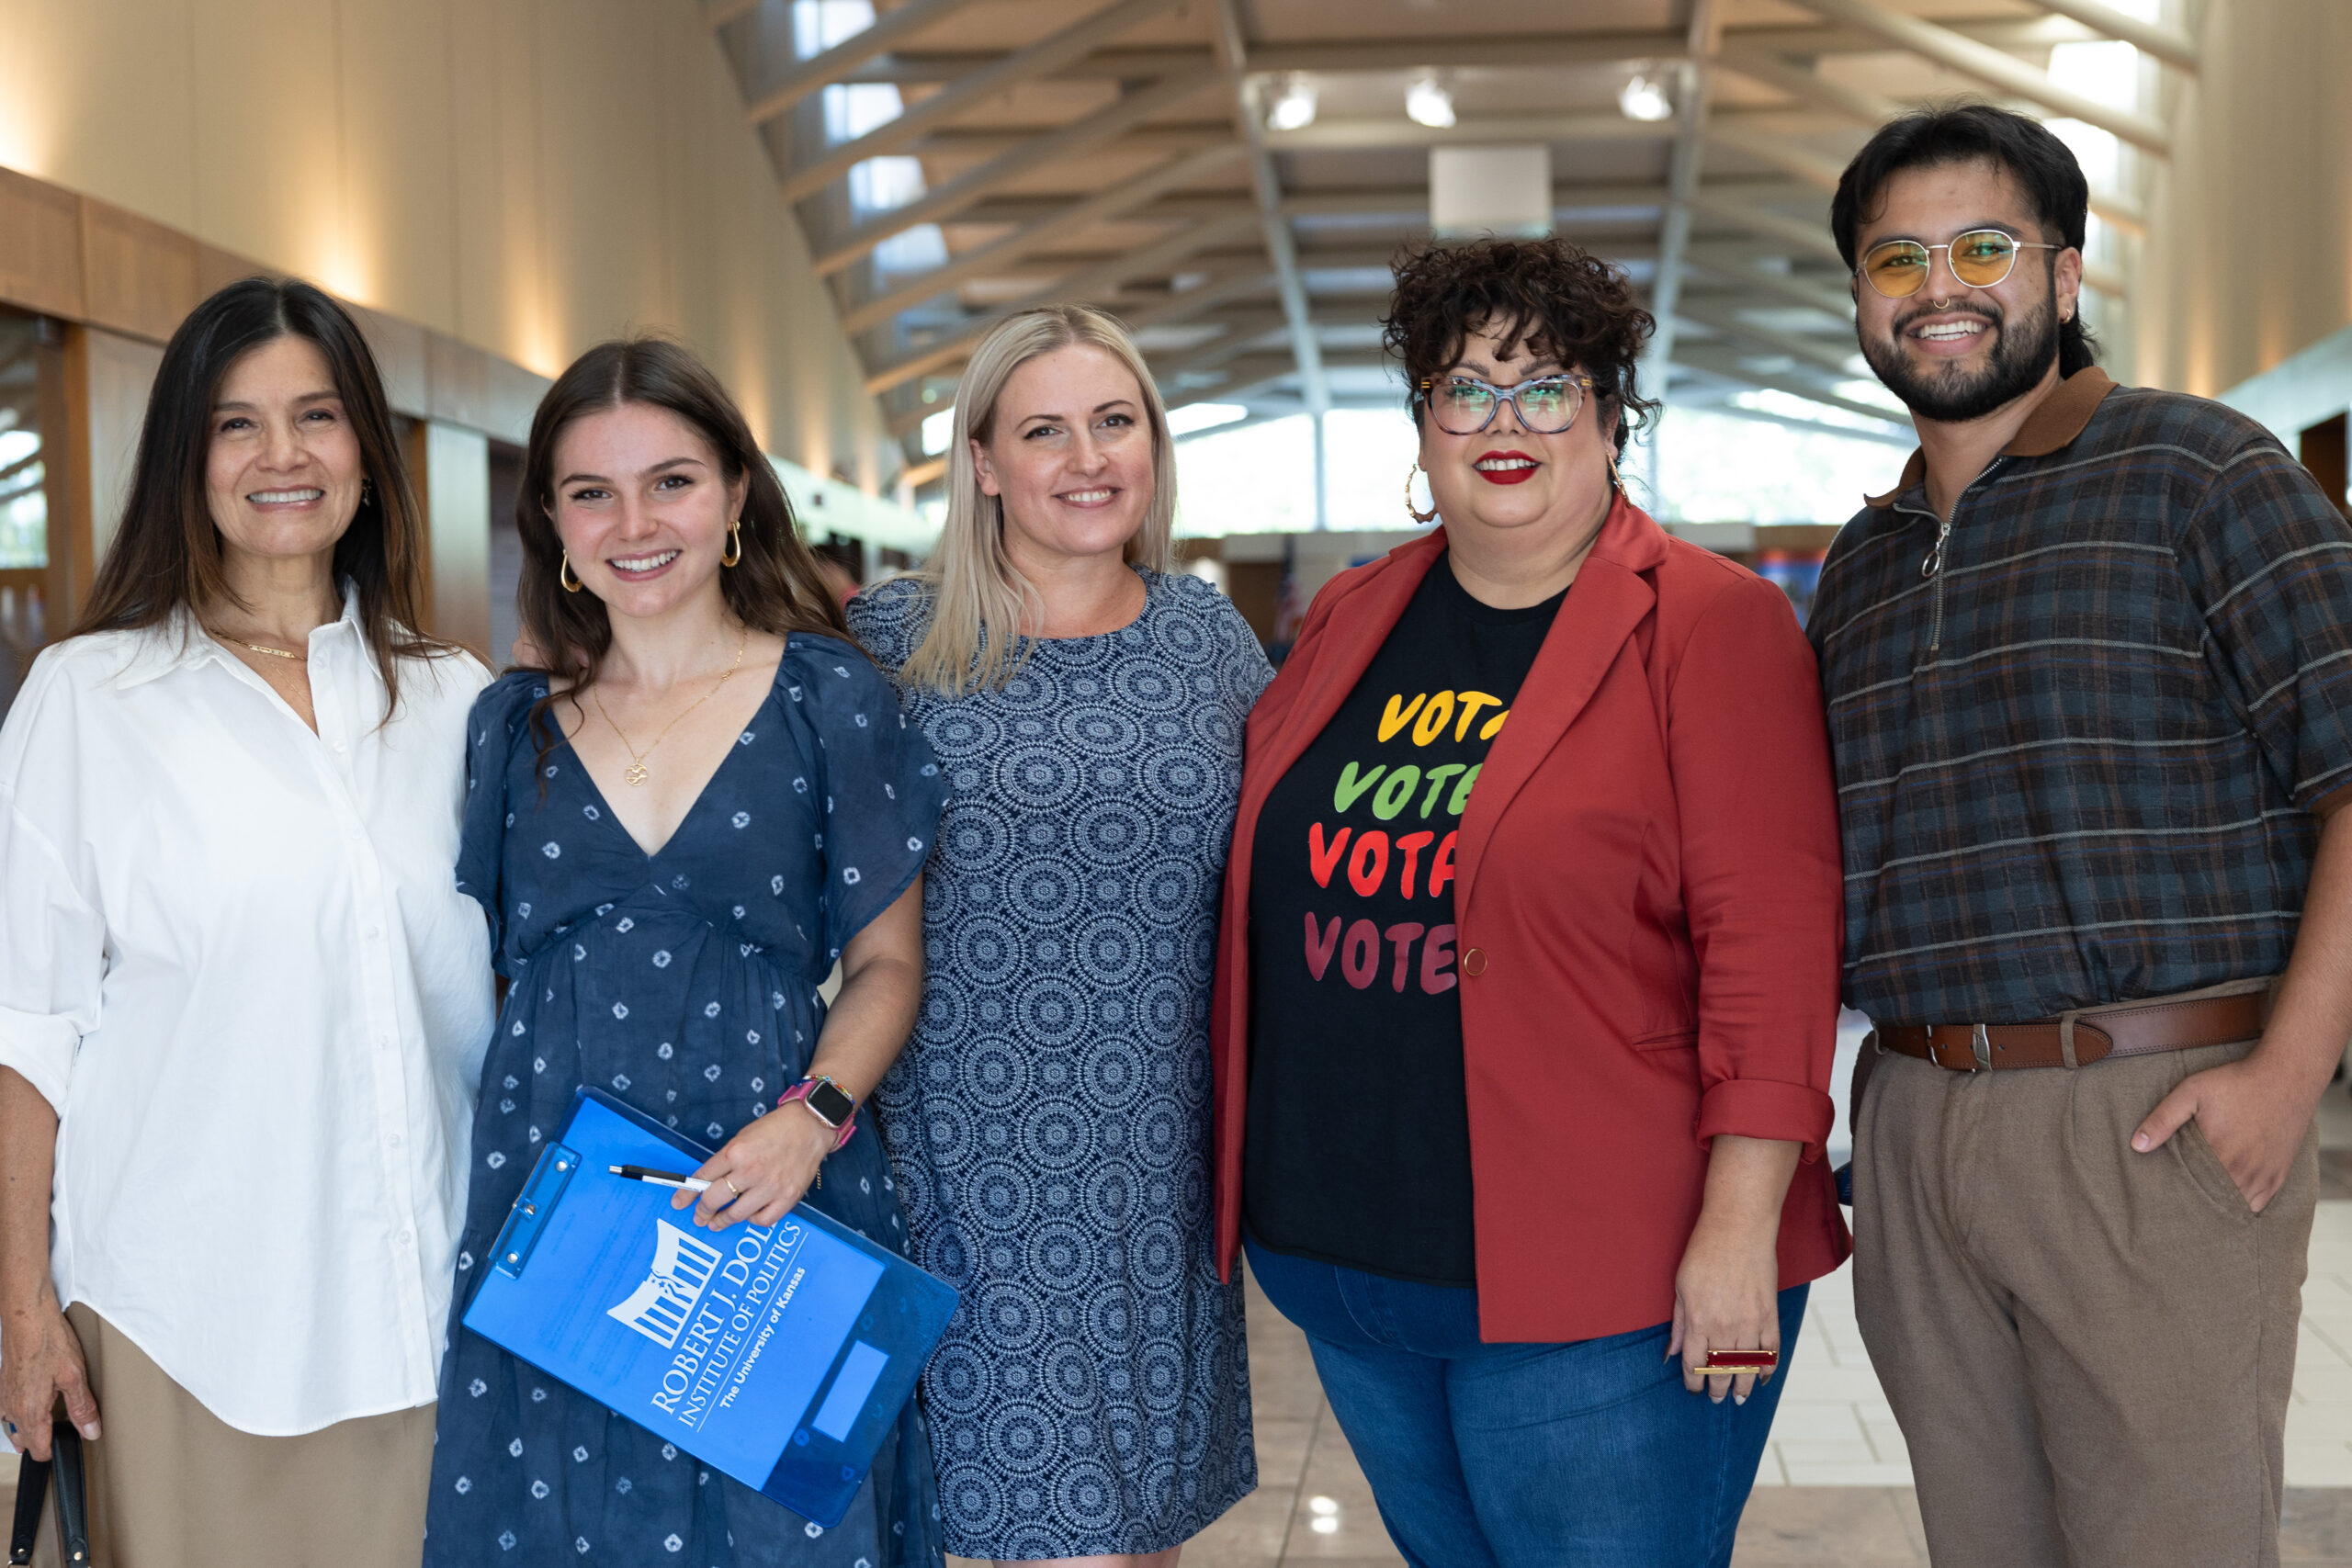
column 1295, row 109
column 1430, row 104
column 1642, row 98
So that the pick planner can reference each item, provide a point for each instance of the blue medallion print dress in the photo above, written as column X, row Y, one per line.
column 685, row 984
column 1049, row 1119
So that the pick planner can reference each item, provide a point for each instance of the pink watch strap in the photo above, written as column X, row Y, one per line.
column 800, row 1092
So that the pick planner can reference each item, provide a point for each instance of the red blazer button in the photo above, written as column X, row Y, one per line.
column 1474, row 961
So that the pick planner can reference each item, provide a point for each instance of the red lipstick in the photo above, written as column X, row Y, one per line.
column 1506, row 476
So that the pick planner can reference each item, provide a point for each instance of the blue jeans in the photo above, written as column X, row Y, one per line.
column 1582, row 1455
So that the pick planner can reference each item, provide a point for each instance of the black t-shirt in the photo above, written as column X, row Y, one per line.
column 1358, row 1151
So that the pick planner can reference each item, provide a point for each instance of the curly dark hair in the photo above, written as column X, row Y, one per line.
column 1557, row 298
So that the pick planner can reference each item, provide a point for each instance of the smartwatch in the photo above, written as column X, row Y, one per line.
column 827, row 1101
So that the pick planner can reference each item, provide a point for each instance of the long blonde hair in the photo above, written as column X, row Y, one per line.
column 979, row 600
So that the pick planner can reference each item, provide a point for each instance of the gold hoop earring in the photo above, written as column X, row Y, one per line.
column 1415, row 513
column 734, row 550
column 1616, row 480
column 565, row 575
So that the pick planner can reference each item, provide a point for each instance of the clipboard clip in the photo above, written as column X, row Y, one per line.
column 540, row 1195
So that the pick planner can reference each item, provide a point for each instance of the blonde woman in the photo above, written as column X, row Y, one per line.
column 1049, row 1123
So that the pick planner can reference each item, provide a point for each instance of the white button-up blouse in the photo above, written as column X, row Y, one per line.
column 233, row 956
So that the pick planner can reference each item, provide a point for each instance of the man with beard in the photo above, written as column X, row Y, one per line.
column 2089, row 669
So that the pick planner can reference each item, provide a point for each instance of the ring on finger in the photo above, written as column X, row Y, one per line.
column 731, row 1186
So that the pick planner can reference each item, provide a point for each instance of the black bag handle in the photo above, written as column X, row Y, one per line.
column 32, row 1491
column 64, row 1473
column 71, row 1482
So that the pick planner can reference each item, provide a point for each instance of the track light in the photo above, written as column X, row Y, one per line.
column 1430, row 104
column 1642, row 98
column 1295, row 109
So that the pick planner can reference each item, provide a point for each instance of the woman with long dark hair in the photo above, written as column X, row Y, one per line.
column 675, row 838
column 240, row 1001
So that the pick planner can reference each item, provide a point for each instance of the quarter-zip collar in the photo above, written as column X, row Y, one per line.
column 2060, row 418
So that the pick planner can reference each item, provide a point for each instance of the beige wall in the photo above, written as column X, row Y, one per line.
column 2249, row 257
column 525, row 175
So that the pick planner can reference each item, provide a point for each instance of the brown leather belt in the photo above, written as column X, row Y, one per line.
column 2161, row 1025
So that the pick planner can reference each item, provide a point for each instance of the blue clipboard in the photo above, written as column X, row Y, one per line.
column 781, row 1356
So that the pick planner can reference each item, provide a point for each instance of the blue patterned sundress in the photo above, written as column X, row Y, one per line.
column 1049, row 1119
column 685, row 984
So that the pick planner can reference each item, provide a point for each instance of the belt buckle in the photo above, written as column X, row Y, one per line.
column 1948, row 1056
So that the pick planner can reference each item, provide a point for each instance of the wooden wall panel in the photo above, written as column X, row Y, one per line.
column 137, row 276
column 216, row 269
column 399, row 357
column 40, row 247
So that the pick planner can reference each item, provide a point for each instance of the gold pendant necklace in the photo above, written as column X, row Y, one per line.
column 259, row 648
column 636, row 773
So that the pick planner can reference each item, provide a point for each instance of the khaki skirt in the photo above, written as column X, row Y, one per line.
column 173, row 1486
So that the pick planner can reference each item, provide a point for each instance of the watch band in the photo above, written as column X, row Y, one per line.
column 803, row 1089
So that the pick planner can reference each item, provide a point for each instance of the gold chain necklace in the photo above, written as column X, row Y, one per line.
column 259, row 648
column 636, row 773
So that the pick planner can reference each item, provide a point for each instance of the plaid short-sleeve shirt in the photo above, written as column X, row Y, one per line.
column 2080, row 733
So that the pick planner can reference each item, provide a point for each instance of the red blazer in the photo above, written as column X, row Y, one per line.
column 1648, row 871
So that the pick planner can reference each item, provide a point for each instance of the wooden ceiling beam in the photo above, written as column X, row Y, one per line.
column 957, row 96
column 1994, row 67
column 2171, row 46
column 1350, row 56
column 839, row 62
column 1348, row 135
column 1102, row 205
column 1104, row 126
column 1194, row 303
column 1084, row 285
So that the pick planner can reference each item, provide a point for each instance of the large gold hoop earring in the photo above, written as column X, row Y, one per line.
column 1415, row 513
column 1616, row 480
column 565, row 575
column 734, row 550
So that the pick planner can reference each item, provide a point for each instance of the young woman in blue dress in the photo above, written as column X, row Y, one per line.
column 1049, row 1121
column 675, row 838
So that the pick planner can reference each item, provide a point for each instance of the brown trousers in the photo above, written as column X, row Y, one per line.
column 173, row 1486
column 2089, row 1349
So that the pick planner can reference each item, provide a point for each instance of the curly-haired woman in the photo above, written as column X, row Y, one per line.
column 1528, row 972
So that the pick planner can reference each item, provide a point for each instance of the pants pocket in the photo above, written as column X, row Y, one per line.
column 2205, row 1170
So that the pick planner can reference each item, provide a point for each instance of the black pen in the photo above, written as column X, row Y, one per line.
column 659, row 1177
